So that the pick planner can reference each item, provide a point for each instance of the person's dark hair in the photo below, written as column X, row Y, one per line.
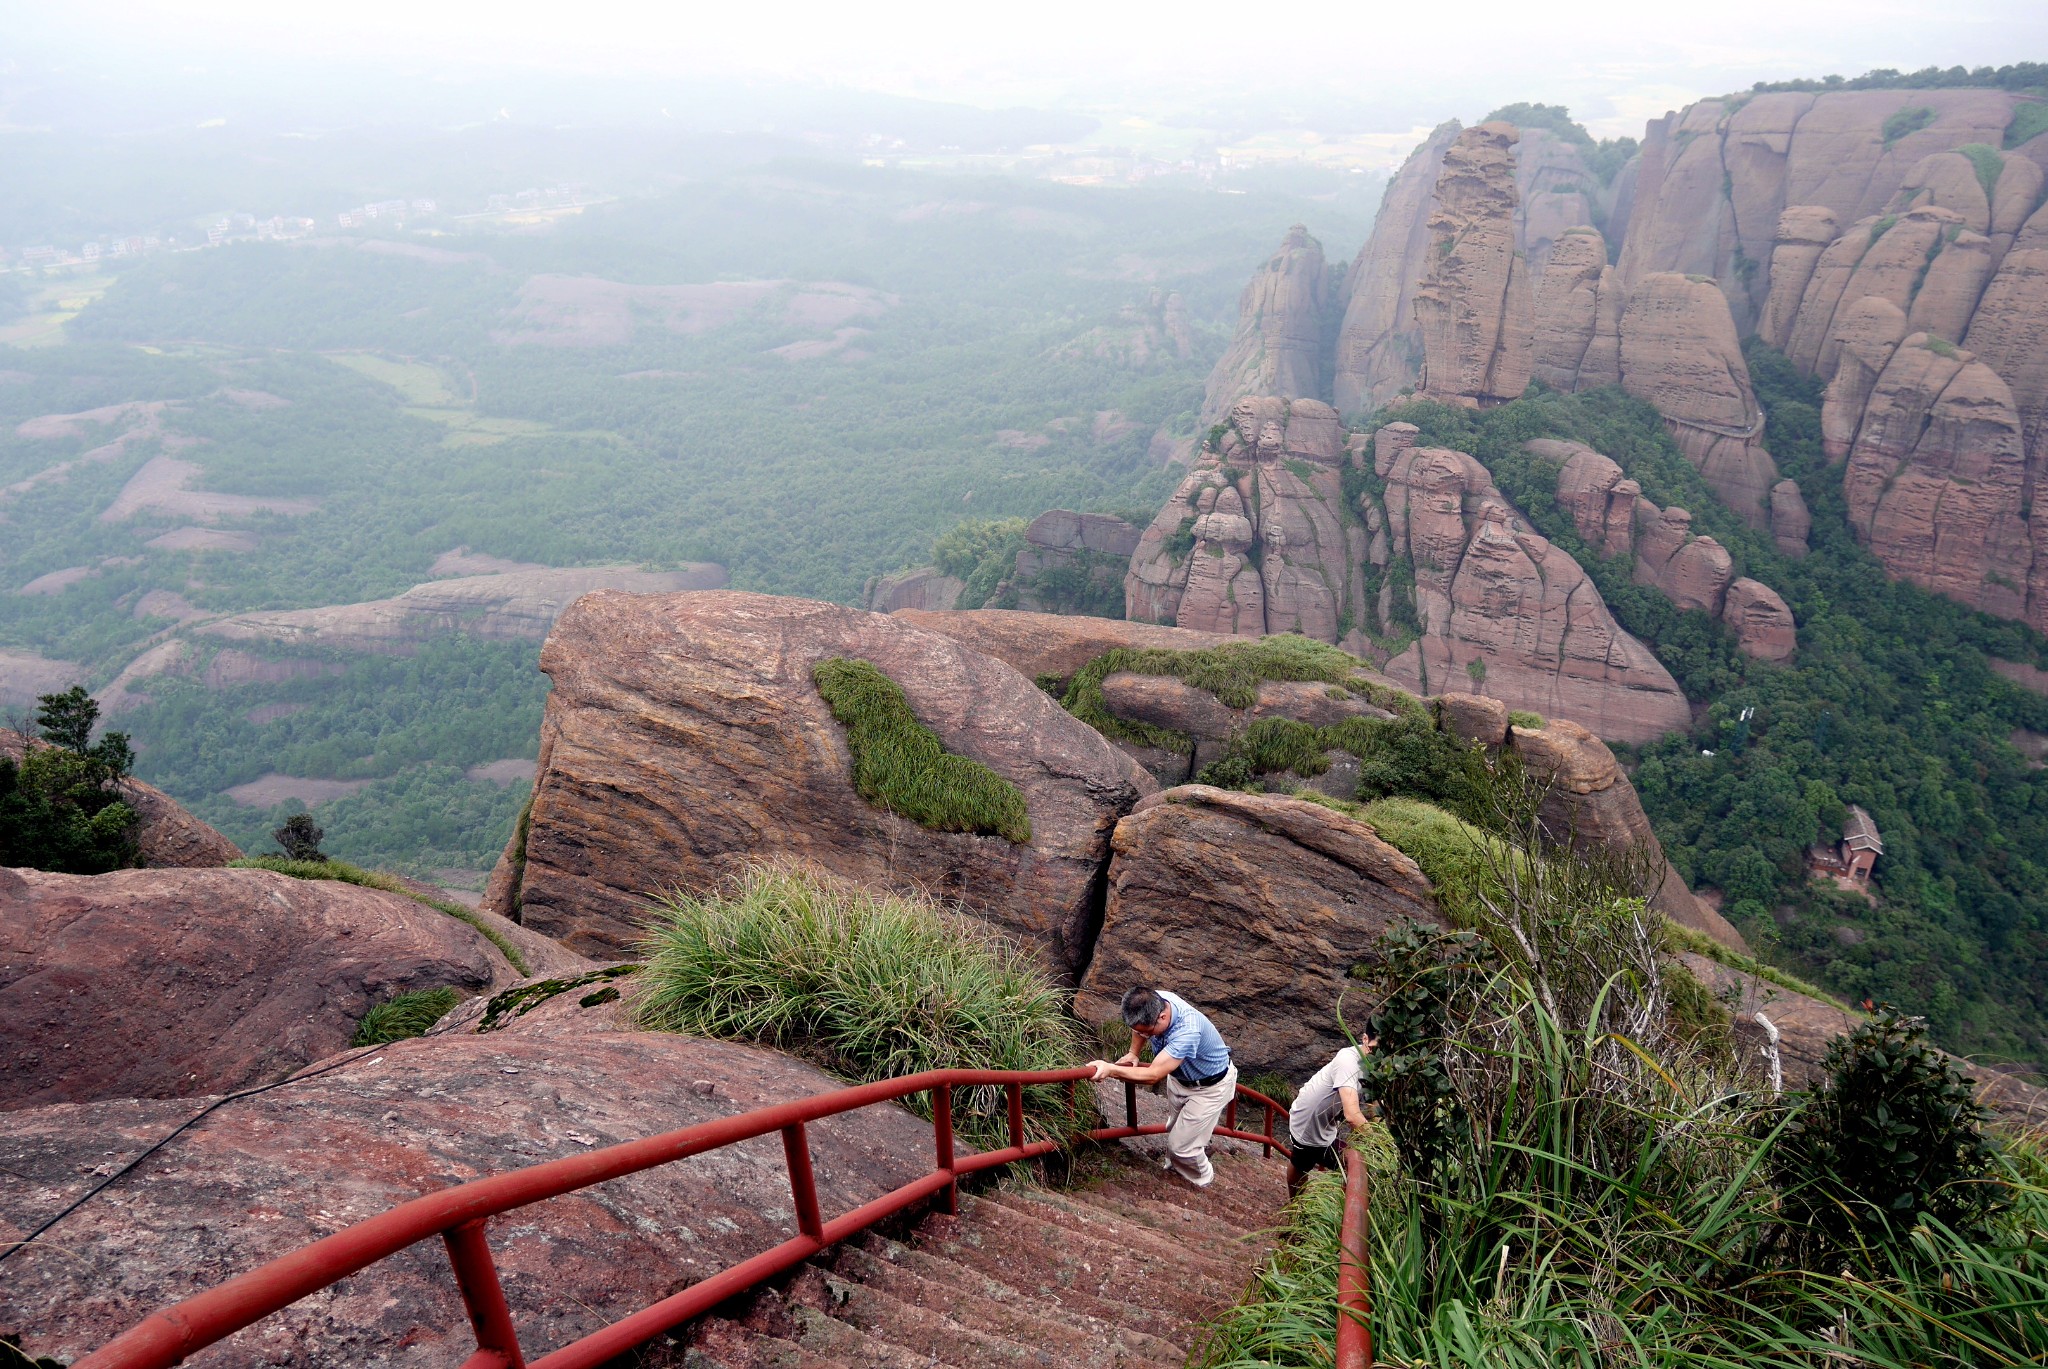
column 1142, row 1007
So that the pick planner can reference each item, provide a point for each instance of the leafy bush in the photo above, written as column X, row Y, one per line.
column 899, row 765
column 1423, row 979
column 342, row 871
column 981, row 552
column 299, row 838
column 60, row 803
column 1402, row 755
column 1892, row 1136
column 870, row 985
column 1906, row 121
column 408, row 1015
column 1522, row 717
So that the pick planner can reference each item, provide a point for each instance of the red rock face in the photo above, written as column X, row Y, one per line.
column 1273, row 547
column 167, row 983
column 1379, row 348
column 684, row 737
column 1804, row 233
column 1278, row 349
column 1490, row 589
column 1578, row 315
column 1253, row 907
column 267, row 1174
column 1937, row 478
column 1052, row 644
column 1474, row 307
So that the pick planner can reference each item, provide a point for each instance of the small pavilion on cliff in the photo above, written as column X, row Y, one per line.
column 1848, row 862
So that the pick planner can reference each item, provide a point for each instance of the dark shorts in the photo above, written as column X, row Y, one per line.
column 1309, row 1159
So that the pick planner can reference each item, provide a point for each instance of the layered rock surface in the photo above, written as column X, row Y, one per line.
column 1257, row 538
column 1473, row 307
column 168, row 983
column 1379, row 345
column 1254, row 906
column 1490, row 590
column 1283, row 317
column 684, row 736
column 1611, row 514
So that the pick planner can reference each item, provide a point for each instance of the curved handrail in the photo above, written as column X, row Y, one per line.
column 1354, row 1272
column 457, row 1215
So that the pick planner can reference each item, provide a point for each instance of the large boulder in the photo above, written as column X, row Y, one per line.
column 1578, row 315
column 164, row 983
column 1474, row 306
column 1281, row 322
column 1254, row 908
column 1052, row 646
column 685, row 737
column 1379, row 346
column 270, row 1173
column 919, row 588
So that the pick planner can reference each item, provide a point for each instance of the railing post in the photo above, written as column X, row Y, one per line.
column 1130, row 1102
column 1354, row 1273
column 1016, row 1092
column 1230, row 1114
column 476, row 1275
column 803, row 1185
column 1266, row 1150
column 942, row 1131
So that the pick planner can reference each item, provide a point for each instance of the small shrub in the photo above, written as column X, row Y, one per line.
column 300, row 838
column 1989, row 163
column 408, row 1015
column 1522, row 717
column 60, row 805
column 1892, row 1135
column 900, row 766
column 1942, row 347
column 872, row 986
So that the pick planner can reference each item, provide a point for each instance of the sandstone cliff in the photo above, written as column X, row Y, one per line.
column 1577, row 333
column 1473, row 307
column 1499, row 606
column 1283, row 317
column 1614, row 518
column 1379, row 347
column 1257, row 538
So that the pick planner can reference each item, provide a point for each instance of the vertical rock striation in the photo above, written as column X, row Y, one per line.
column 1282, row 316
column 1379, row 347
column 1474, row 306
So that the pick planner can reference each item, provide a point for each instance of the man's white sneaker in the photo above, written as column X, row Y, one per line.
column 1200, row 1178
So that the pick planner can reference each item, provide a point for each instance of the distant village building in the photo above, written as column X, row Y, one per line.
column 1848, row 862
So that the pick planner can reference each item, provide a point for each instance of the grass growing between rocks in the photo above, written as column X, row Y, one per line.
column 900, row 766
column 1406, row 755
column 870, row 986
column 1232, row 672
column 345, row 873
column 408, row 1015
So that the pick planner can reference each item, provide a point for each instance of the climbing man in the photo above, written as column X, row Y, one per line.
column 1330, row 1092
column 1190, row 1061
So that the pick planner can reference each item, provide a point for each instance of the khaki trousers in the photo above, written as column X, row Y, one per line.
column 1195, row 1113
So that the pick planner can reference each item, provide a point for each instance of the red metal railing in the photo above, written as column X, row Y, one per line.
column 1354, row 1272
column 457, row 1215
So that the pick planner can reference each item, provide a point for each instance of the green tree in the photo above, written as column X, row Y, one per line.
column 60, row 802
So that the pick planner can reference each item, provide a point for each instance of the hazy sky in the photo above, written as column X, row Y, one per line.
column 1615, row 63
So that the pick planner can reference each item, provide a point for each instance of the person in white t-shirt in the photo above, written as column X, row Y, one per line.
column 1330, row 1093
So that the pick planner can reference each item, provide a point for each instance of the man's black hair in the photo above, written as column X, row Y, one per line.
column 1142, row 1007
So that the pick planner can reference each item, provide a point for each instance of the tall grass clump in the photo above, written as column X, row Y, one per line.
column 869, row 985
column 900, row 766
column 341, row 871
column 408, row 1015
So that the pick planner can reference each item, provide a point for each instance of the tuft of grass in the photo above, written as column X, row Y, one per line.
column 342, row 871
column 2029, row 120
column 1453, row 855
column 1942, row 347
column 1522, row 717
column 900, row 766
column 408, row 1015
column 1907, row 121
column 869, row 985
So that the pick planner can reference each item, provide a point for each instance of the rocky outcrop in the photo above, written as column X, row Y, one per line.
column 684, row 737
column 167, row 835
column 1379, row 347
column 1093, row 549
column 268, row 1174
column 1610, row 513
column 168, row 983
column 1052, row 646
column 1578, row 315
column 2009, row 332
column 1473, row 308
column 1679, row 353
column 1558, row 195
column 1283, row 317
column 1937, row 480
column 921, row 587
column 514, row 606
column 1791, row 524
column 1499, row 605
column 1804, row 233
column 1257, row 539
column 1254, row 906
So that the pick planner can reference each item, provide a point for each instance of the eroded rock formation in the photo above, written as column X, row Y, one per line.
column 167, row 983
column 1611, row 514
column 684, row 736
column 1254, row 906
column 1500, row 606
column 1578, row 315
column 1473, row 308
column 1379, row 347
column 1257, row 538
column 1283, row 317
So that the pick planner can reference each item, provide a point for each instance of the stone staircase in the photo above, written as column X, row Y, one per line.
column 1119, row 1268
